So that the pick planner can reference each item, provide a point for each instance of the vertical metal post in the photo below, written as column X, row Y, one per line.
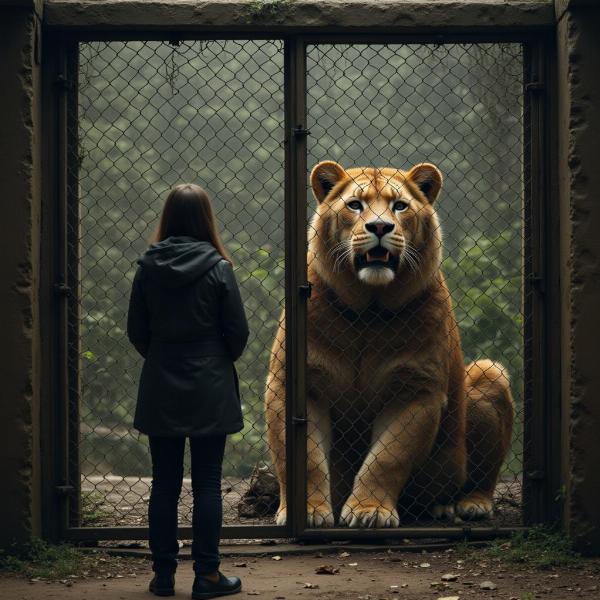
column 73, row 283
column 60, row 288
column 540, row 284
column 295, row 278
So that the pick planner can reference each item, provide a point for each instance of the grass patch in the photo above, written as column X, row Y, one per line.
column 61, row 562
column 539, row 548
column 93, row 511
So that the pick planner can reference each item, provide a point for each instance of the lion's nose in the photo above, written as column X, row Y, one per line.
column 379, row 227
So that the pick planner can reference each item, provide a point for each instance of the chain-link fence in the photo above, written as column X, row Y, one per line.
column 384, row 351
column 151, row 115
column 386, row 416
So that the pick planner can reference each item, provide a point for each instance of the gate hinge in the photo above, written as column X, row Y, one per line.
column 535, row 87
column 299, row 421
column 536, row 475
column 300, row 131
column 63, row 289
column 62, row 83
column 64, row 490
column 305, row 290
column 537, row 282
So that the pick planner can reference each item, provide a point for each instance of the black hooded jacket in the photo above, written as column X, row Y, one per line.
column 186, row 318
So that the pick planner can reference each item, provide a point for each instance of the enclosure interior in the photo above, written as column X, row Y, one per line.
column 149, row 115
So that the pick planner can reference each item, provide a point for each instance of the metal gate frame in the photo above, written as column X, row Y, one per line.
column 541, row 468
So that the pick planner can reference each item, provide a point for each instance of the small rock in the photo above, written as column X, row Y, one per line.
column 424, row 565
column 311, row 586
column 488, row 585
column 240, row 564
column 344, row 555
column 450, row 598
column 449, row 577
column 276, row 557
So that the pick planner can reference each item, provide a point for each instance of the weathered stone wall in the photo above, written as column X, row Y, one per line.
column 385, row 16
column 19, row 226
column 579, row 181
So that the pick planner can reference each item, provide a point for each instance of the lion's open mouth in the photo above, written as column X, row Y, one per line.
column 377, row 257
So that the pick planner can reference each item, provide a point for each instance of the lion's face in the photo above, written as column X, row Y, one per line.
column 374, row 222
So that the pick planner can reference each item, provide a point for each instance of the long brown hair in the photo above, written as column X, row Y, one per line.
column 188, row 211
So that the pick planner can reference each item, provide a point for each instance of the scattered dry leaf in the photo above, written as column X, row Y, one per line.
column 327, row 570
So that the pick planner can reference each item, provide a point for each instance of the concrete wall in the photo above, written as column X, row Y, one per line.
column 20, row 196
column 579, row 181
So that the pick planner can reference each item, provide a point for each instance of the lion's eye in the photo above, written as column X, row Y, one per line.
column 355, row 205
column 400, row 206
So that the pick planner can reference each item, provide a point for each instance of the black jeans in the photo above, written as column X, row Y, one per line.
column 167, row 476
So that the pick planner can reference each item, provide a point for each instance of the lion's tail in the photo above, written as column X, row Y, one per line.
column 487, row 378
column 490, row 414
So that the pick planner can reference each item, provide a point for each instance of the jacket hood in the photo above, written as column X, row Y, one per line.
column 179, row 260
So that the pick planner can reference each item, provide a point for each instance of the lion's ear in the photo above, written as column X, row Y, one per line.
column 324, row 177
column 428, row 179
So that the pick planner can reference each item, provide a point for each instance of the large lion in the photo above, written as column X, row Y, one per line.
column 394, row 418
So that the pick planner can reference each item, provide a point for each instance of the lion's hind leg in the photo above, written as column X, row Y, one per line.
column 490, row 414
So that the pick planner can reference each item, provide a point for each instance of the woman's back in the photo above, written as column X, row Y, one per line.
column 186, row 318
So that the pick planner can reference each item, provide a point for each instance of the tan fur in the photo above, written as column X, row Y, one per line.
column 384, row 359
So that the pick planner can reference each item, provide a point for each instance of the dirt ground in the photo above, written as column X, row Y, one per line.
column 356, row 575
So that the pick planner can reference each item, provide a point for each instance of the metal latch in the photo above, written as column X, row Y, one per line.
column 62, row 83
column 65, row 490
column 305, row 290
column 299, row 421
column 63, row 289
column 537, row 282
column 535, row 87
column 300, row 131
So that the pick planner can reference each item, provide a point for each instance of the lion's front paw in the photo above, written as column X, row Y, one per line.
column 281, row 517
column 369, row 514
column 475, row 506
column 319, row 515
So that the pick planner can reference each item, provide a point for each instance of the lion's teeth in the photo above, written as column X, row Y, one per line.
column 386, row 257
column 368, row 256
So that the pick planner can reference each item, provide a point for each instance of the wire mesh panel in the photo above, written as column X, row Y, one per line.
column 415, row 375
column 152, row 115
column 416, row 255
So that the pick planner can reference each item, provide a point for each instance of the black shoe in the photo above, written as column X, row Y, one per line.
column 203, row 588
column 163, row 584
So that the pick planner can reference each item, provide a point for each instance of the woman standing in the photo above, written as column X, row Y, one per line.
column 187, row 320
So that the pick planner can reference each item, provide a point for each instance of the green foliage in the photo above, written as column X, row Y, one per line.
column 539, row 548
column 268, row 9
column 93, row 511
